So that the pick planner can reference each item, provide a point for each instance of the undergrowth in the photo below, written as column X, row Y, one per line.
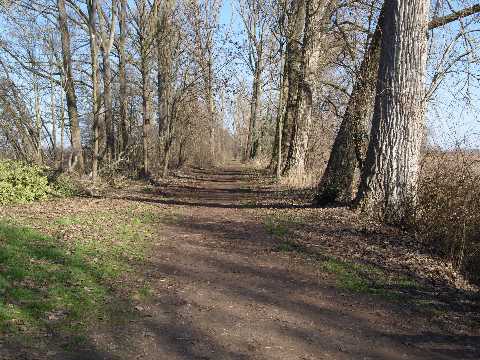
column 23, row 183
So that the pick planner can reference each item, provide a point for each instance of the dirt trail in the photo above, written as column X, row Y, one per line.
column 224, row 287
column 222, row 293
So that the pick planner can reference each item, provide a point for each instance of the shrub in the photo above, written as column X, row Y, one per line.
column 21, row 183
column 449, row 208
column 64, row 186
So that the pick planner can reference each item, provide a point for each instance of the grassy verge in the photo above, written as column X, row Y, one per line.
column 73, row 273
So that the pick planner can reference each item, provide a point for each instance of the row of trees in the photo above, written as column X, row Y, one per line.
column 95, row 86
column 382, row 108
column 124, row 83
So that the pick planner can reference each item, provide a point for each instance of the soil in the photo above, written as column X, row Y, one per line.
column 222, row 289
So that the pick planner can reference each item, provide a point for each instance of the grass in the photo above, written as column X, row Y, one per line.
column 44, row 283
column 70, row 276
column 369, row 279
column 350, row 276
column 276, row 227
column 356, row 277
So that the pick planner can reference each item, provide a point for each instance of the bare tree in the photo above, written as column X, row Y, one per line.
column 389, row 179
column 122, row 76
column 255, row 24
column 145, row 22
column 77, row 154
column 306, row 26
column 107, row 36
column 349, row 149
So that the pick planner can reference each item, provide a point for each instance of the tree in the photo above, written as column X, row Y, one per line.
column 146, row 29
column 305, row 29
column 349, row 149
column 107, row 36
column 92, row 31
column 203, row 22
column 389, row 180
column 122, row 76
column 255, row 21
column 69, row 86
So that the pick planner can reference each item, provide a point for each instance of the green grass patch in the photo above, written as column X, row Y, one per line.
column 276, row 227
column 70, row 280
column 68, row 221
column 369, row 279
column 44, row 283
column 356, row 277
column 291, row 246
column 281, row 225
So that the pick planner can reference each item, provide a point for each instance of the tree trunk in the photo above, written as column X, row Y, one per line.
column 62, row 132
column 389, row 179
column 301, row 108
column 38, row 125
column 146, row 114
column 349, row 148
column 350, row 144
column 211, row 110
column 293, row 58
column 53, row 112
column 164, row 83
column 122, row 77
column 92, row 11
column 276, row 160
column 70, row 89
column 252, row 140
column 107, row 101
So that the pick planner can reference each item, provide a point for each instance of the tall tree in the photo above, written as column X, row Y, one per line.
column 107, row 36
column 255, row 21
column 389, row 180
column 146, row 29
column 92, row 31
column 77, row 154
column 350, row 143
column 309, row 23
column 122, row 76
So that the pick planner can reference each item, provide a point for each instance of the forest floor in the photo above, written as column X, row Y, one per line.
column 222, row 264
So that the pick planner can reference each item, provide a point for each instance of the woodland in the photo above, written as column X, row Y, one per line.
column 239, row 179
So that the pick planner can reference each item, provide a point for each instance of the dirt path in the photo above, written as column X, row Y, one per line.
column 225, row 284
column 222, row 293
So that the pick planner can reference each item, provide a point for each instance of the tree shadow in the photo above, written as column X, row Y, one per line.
column 48, row 291
column 316, row 323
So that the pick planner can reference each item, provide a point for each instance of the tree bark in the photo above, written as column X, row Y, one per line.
column 351, row 141
column 70, row 89
column 389, row 179
column 300, row 109
column 146, row 113
column 62, row 131
column 122, row 77
column 107, row 38
column 252, row 141
column 145, row 36
column 293, row 58
column 92, row 26
column 164, row 83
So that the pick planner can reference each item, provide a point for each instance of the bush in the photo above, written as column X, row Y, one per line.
column 64, row 186
column 21, row 183
column 449, row 208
